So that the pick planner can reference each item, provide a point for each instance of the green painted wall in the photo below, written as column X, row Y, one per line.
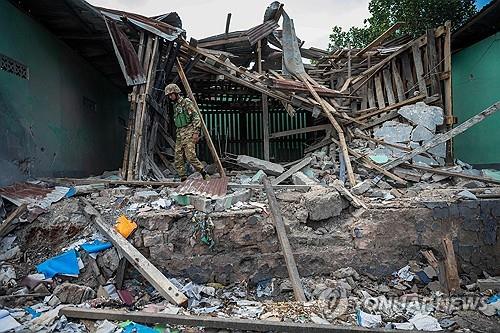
column 45, row 131
column 476, row 85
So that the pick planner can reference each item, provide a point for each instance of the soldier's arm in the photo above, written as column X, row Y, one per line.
column 195, row 117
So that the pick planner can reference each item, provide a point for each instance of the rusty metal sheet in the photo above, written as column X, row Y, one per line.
column 127, row 57
column 213, row 188
column 32, row 194
column 152, row 25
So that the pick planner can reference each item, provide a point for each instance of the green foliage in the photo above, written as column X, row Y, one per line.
column 418, row 15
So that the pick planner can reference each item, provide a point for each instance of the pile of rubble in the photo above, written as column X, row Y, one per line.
column 61, row 258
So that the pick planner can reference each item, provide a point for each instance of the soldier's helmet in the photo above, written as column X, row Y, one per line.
column 172, row 88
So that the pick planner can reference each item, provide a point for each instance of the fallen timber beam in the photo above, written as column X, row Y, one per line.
column 366, row 162
column 328, row 109
column 75, row 181
column 443, row 137
column 7, row 225
column 291, row 266
column 211, row 146
column 301, row 130
column 143, row 266
column 451, row 173
column 391, row 107
column 211, row 322
column 293, row 169
column 380, row 39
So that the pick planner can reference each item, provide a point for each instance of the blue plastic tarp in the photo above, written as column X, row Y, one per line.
column 65, row 263
column 138, row 328
column 96, row 246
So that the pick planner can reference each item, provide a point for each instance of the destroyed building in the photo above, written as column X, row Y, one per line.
column 337, row 200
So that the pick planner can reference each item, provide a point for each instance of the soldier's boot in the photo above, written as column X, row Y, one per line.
column 204, row 174
column 183, row 178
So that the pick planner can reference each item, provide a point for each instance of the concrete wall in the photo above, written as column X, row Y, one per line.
column 246, row 246
column 476, row 85
column 45, row 130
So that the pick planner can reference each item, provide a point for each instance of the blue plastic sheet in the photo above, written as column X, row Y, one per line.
column 65, row 263
column 96, row 246
column 138, row 328
column 32, row 312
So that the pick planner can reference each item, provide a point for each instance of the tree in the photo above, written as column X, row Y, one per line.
column 418, row 15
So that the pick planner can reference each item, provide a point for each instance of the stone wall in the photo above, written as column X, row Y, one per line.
column 378, row 241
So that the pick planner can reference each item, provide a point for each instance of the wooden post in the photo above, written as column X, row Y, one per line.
column 448, row 104
column 203, row 125
column 419, row 68
column 149, row 84
column 291, row 266
column 139, row 100
column 132, row 112
column 265, row 106
column 450, row 266
column 228, row 23
column 148, row 270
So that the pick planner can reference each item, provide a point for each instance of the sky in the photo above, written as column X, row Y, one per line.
column 202, row 18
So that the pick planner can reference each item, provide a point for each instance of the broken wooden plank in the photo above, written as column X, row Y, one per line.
column 328, row 109
column 295, row 168
column 120, row 273
column 451, row 173
column 355, row 201
column 449, row 120
column 443, row 137
column 365, row 161
column 419, row 69
column 380, row 39
column 450, row 266
column 166, row 288
column 398, row 81
column 301, row 130
column 8, row 225
column 432, row 58
column 379, row 92
column 431, row 259
column 211, row 146
column 210, row 322
column 291, row 266
column 389, row 90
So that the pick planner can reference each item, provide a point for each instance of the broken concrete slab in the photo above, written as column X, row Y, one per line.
column 300, row 178
column 421, row 133
column 323, row 203
column 201, row 204
column 226, row 202
column 424, row 161
column 423, row 114
column 257, row 164
column 393, row 132
column 438, row 151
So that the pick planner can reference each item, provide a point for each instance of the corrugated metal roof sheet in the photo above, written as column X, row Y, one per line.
column 156, row 27
column 37, row 195
column 213, row 188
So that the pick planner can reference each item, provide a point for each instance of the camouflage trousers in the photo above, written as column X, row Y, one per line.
column 185, row 149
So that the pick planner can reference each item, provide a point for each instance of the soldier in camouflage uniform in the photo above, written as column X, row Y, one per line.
column 188, row 123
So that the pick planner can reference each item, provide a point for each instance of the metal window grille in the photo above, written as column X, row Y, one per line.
column 14, row 67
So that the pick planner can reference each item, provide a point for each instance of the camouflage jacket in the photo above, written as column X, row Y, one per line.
column 185, row 114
